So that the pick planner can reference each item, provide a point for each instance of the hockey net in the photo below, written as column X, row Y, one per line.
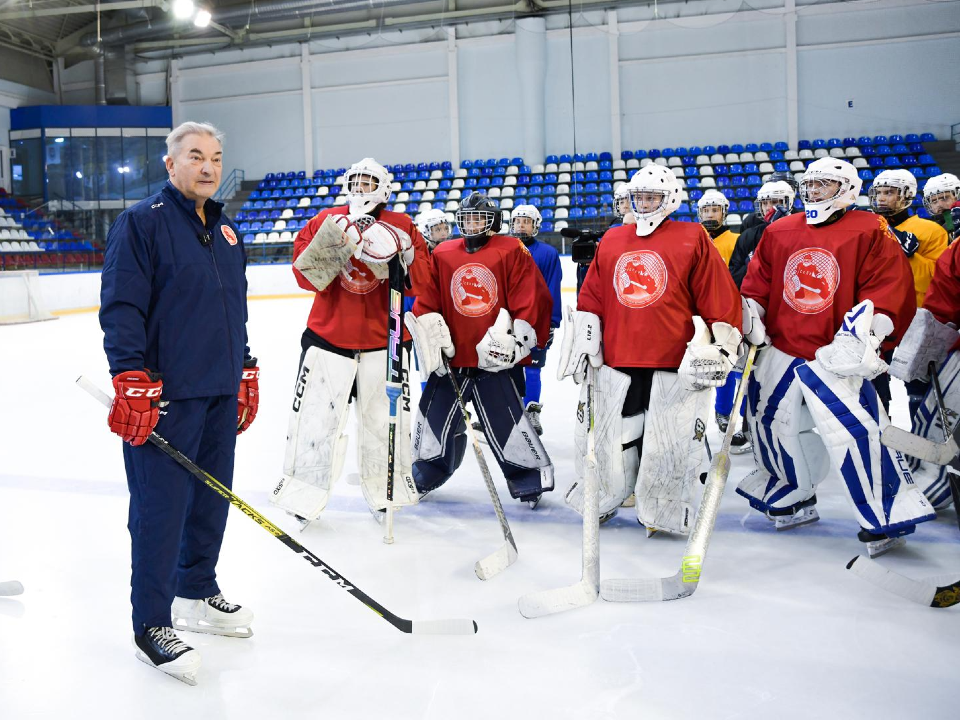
column 20, row 298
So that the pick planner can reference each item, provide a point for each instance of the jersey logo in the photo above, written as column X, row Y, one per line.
column 474, row 290
column 810, row 280
column 640, row 278
column 357, row 278
column 524, row 248
column 229, row 234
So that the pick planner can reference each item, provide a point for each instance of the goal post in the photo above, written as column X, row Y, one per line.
column 20, row 298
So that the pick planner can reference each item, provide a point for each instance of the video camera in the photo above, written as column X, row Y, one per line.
column 584, row 245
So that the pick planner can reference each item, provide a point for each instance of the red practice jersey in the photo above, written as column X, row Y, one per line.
column 646, row 291
column 809, row 277
column 943, row 295
column 468, row 290
column 352, row 312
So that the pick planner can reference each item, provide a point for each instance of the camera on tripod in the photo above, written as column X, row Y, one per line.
column 584, row 245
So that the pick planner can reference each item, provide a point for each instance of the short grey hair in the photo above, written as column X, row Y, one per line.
column 175, row 138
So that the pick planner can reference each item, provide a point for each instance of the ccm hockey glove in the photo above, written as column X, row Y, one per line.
column 136, row 405
column 248, row 397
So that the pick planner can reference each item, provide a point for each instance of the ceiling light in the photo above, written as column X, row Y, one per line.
column 202, row 18
column 182, row 9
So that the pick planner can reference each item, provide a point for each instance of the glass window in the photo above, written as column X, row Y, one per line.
column 136, row 185
column 57, row 159
column 156, row 170
column 110, row 168
column 83, row 159
column 27, row 167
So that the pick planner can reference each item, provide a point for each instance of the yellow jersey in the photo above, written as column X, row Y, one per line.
column 933, row 241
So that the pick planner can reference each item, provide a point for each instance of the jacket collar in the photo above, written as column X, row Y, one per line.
column 211, row 208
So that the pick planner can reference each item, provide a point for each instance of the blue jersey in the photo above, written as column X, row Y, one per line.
column 173, row 296
column 548, row 262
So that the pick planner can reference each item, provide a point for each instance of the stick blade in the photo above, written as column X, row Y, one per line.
column 918, row 591
column 11, row 587
column 634, row 590
column 919, row 447
column 444, row 627
column 550, row 602
column 496, row 562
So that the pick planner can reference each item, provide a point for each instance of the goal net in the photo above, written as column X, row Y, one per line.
column 20, row 299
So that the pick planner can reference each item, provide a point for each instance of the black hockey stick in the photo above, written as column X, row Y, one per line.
column 947, row 435
column 395, row 385
column 419, row 627
column 506, row 555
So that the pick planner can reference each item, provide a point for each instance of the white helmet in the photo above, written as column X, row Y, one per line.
column 936, row 186
column 713, row 198
column 526, row 211
column 370, row 171
column 661, row 181
column 427, row 221
column 621, row 200
column 778, row 191
column 903, row 182
column 820, row 208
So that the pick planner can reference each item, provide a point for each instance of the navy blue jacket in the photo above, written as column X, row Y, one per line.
column 548, row 261
column 171, row 304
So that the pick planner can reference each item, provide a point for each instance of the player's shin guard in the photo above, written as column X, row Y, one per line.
column 848, row 415
column 672, row 452
column 933, row 479
column 316, row 444
column 789, row 456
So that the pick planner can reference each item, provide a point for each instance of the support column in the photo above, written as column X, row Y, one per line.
column 453, row 98
column 613, row 43
column 530, row 39
column 307, row 94
column 175, row 91
column 793, row 106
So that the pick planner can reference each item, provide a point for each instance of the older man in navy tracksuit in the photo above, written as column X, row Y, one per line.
column 173, row 313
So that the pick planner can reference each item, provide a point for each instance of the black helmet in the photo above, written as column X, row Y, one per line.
column 482, row 216
column 788, row 178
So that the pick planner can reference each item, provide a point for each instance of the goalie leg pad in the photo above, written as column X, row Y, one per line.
column 316, row 445
column 516, row 445
column 325, row 256
column 616, row 480
column 439, row 432
column 672, row 453
column 933, row 479
column 849, row 416
column 789, row 457
column 373, row 416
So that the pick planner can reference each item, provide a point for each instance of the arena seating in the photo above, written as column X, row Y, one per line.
column 28, row 242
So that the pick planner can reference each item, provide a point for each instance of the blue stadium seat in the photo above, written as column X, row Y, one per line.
column 737, row 148
column 818, row 143
column 926, row 159
column 737, row 181
column 575, row 213
column 483, row 182
column 912, row 138
column 465, row 164
column 721, row 182
column 875, row 162
column 640, row 154
column 445, row 166
column 752, row 147
column 591, row 212
column 781, row 167
column 766, row 147
column 546, row 226
column 803, row 145
column 896, row 139
column 695, row 150
column 834, row 143
column 933, row 171
column 879, row 139
column 625, row 155
column 516, row 161
column 866, row 175
column 606, row 157
column 721, row 169
column 696, row 194
column 694, row 182
column 849, row 142
column 776, row 155
column 868, row 151
column 470, row 182
column 691, row 171
column 744, row 206
column 900, row 149
column 883, row 150
column 728, row 193
column 653, row 154
column 892, row 161
column 709, row 150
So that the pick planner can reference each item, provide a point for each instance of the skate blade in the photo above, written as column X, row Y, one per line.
column 631, row 501
column 741, row 449
column 795, row 525
column 884, row 549
column 202, row 626
column 187, row 676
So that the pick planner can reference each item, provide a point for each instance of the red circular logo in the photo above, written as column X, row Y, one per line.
column 229, row 234
column 810, row 280
column 357, row 278
column 474, row 290
column 640, row 278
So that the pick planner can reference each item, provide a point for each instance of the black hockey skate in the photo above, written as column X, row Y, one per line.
column 878, row 545
column 160, row 647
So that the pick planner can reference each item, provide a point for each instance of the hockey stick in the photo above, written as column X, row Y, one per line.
column 947, row 435
column 585, row 592
column 918, row 591
column 907, row 443
column 419, row 627
column 395, row 386
column 506, row 555
column 10, row 587
column 684, row 582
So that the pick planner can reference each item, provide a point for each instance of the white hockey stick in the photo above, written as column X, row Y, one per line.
column 10, row 587
column 684, row 582
column 918, row 591
column 919, row 447
column 506, row 555
column 585, row 592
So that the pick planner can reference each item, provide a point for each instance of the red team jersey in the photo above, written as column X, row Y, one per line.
column 351, row 312
column 809, row 277
column 646, row 291
column 468, row 290
column 943, row 295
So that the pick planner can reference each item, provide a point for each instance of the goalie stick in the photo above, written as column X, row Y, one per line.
column 941, row 453
column 10, row 587
column 585, row 592
column 919, row 591
column 506, row 555
column 419, row 627
column 684, row 582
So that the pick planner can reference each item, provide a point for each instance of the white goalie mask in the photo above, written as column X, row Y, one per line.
column 654, row 194
column 828, row 185
column 892, row 191
column 712, row 199
column 367, row 184
column 523, row 230
column 940, row 193
column 778, row 193
column 434, row 226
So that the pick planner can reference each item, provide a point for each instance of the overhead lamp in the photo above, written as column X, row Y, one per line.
column 58, row 140
column 183, row 9
column 202, row 18
column 79, row 175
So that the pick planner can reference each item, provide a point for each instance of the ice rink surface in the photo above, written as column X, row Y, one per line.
column 778, row 628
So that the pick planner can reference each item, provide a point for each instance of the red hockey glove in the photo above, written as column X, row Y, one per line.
column 248, row 398
column 136, row 405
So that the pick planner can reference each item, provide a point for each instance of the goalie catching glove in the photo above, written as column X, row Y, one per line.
column 853, row 352
column 505, row 343
column 581, row 344
column 706, row 362
column 431, row 337
column 136, row 405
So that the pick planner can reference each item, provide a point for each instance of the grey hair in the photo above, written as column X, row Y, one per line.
column 175, row 138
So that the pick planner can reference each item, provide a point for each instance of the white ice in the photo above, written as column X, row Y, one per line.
column 777, row 629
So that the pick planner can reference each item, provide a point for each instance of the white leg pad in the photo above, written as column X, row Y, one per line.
column 672, row 453
column 316, row 445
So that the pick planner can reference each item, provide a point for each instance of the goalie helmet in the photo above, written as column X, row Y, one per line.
column 434, row 226
column 478, row 218
column 713, row 199
column 367, row 185
column 829, row 185
column 779, row 192
column 654, row 194
column 902, row 187
column 940, row 193
column 525, row 212
column 788, row 178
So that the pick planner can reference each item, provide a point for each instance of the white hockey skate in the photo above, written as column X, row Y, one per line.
column 533, row 411
column 803, row 516
column 212, row 615
column 878, row 545
column 159, row 647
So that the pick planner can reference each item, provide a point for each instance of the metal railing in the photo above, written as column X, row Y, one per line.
column 955, row 135
column 229, row 186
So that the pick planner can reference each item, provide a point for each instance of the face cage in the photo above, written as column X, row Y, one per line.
column 815, row 183
column 533, row 232
column 353, row 181
column 621, row 205
column 635, row 201
column 723, row 215
column 902, row 202
column 430, row 227
column 780, row 201
column 929, row 200
column 464, row 216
